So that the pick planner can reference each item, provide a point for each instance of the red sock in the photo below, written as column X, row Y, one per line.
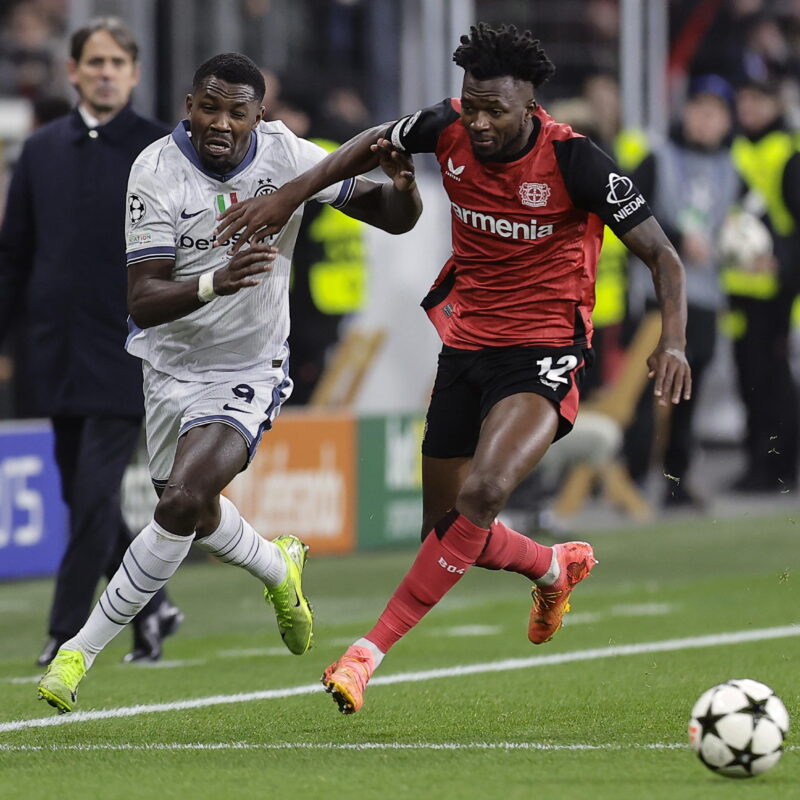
column 448, row 551
column 506, row 549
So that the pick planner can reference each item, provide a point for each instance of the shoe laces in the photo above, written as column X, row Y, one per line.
column 547, row 599
column 281, row 602
column 69, row 668
column 357, row 667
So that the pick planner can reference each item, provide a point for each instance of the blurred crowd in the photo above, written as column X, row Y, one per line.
column 722, row 184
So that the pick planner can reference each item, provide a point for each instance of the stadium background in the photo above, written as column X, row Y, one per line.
column 464, row 707
column 345, row 474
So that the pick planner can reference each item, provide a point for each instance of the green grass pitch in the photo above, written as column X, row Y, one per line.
column 462, row 708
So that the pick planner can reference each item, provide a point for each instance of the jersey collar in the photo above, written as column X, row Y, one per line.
column 184, row 142
column 537, row 125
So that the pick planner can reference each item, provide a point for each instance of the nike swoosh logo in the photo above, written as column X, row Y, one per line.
column 297, row 598
column 240, row 410
column 184, row 215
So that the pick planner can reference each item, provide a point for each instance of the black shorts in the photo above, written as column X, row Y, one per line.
column 470, row 382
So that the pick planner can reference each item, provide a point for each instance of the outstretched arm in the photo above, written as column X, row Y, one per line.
column 667, row 363
column 260, row 217
column 393, row 205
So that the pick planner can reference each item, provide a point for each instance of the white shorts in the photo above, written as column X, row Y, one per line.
column 174, row 406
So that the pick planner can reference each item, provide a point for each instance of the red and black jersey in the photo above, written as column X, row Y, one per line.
column 526, row 231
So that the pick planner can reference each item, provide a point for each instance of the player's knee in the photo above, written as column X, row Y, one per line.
column 481, row 499
column 210, row 517
column 180, row 509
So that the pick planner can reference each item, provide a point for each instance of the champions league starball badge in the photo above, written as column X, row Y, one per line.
column 136, row 208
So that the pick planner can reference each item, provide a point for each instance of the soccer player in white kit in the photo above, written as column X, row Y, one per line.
column 211, row 330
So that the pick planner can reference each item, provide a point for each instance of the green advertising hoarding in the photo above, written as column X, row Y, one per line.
column 389, row 481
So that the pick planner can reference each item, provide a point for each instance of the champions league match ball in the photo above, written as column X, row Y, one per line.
column 743, row 239
column 738, row 727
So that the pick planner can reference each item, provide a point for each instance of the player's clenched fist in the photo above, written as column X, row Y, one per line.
column 397, row 165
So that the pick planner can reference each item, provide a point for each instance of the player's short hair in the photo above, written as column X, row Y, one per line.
column 115, row 28
column 232, row 68
column 493, row 53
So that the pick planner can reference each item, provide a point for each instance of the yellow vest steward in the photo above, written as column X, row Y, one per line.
column 337, row 282
column 612, row 281
column 630, row 148
column 761, row 165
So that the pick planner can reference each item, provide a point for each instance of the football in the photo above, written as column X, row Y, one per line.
column 737, row 728
column 742, row 239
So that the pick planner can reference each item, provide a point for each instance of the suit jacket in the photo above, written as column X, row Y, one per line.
column 62, row 264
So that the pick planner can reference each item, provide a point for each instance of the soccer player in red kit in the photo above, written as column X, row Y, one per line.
column 512, row 305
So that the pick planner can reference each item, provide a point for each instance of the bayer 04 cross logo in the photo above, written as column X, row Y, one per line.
column 136, row 208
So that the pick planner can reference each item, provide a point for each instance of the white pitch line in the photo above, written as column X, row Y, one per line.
column 642, row 609
column 250, row 652
column 469, row 630
column 583, row 618
column 168, row 663
column 624, row 610
column 592, row 654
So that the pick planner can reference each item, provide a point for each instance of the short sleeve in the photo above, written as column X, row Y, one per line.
column 337, row 194
column 149, row 224
column 419, row 132
column 595, row 183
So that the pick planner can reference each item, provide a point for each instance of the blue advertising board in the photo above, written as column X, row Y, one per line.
column 33, row 517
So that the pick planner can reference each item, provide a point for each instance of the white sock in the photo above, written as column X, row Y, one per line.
column 147, row 565
column 371, row 646
column 236, row 542
column 552, row 574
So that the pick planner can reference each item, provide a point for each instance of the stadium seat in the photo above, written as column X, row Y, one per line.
column 617, row 402
column 343, row 376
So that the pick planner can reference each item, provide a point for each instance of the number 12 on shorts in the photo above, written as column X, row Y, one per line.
column 555, row 374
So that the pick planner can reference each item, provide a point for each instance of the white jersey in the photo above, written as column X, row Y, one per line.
column 173, row 203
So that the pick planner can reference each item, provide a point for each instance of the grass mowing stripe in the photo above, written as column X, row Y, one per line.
column 694, row 642
column 711, row 640
column 37, row 748
column 183, row 746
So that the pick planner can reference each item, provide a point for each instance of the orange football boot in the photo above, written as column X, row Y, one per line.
column 346, row 679
column 550, row 603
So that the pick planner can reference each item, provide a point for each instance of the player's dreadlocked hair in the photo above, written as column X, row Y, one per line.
column 232, row 68
column 489, row 53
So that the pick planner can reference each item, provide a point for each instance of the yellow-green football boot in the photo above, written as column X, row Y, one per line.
column 59, row 685
column 292, row 609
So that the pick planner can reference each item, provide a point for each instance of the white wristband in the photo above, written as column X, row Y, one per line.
column 205, row 287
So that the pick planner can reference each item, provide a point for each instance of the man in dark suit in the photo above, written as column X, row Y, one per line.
column 62, row 268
